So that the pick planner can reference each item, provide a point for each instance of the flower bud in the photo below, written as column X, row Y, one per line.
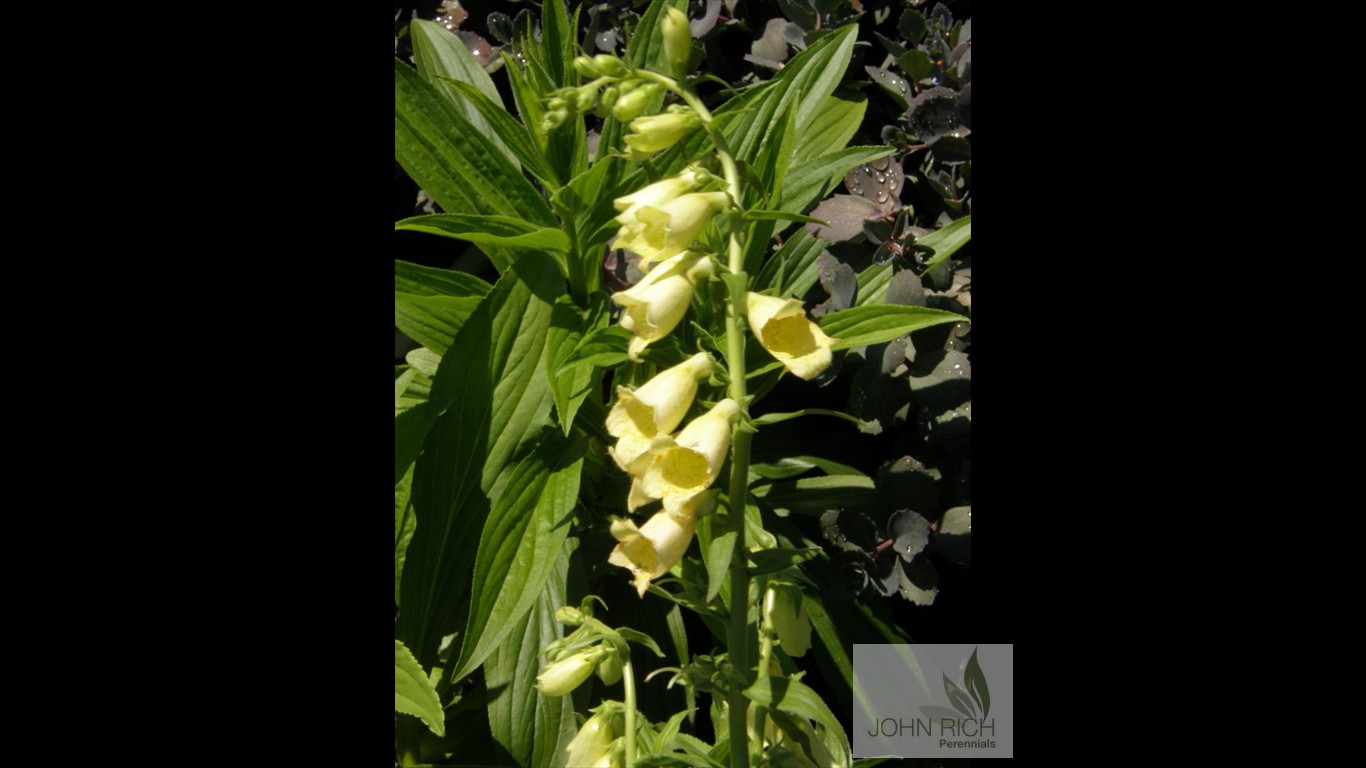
column 563, row 676
column 630, row 105
column 585, row 97
column 609, row 669
column 653, row 133
column 609, row 65
column 585, row 66
column 568, row 614
column 677, row 40
column 609, row 96
column 592, row 745
column 783, row 329
column 553, row 119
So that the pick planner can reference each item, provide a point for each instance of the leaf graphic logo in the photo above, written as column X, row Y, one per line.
column 975, row 683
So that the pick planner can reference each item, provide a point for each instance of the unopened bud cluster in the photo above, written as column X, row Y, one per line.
column 617, row 90
column 571, row 660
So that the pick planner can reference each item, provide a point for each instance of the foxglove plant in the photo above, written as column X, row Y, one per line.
column 554, row 435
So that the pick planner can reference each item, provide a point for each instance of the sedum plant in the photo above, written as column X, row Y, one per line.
column 557, row 441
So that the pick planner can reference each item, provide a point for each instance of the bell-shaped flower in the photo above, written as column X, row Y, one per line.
column 689, row 462
column 652, row 549
column 786, row 615
column 658, row 193
column 563, row 676
column 656, row 408
column 657, row 304
column 658, row 132
column 660, row 231
column 591, row 747
column 782, row 327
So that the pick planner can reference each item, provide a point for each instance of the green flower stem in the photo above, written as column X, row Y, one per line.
column 766, row 636
column 737, row 636
column 628, row 679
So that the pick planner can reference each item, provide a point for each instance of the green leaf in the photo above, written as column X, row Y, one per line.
column 831, row 127
column 775, row 158
column 860, row 326
column 792, row 270
column 489, row 230
column 452, row 161
column 532, row 727
column 779, row 559
column 755, row 214
column 526, row 526
column 812, row 180
column 792, row 466
column 567, row 326
column 716, row 536
column 774, row 418
column 752, row 119
column 410, row 430
column 430, row 281
column 813, row 495
column 557, row 43
column 440, row 54
column 518, row 138
column 794, row 698
column 602, row 348
column 946, row 241
column 976, row 683
column 414, row 693
column 488, row 397
column 431, row 304
column 404, row 523
column 637, row 636
column 872, row 284
column 528, row 101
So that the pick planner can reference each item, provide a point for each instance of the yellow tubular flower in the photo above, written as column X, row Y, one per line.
column 658, row 132
column 691, row 464
column 657, row 304
column 656, row 408
column 652, row 549
column 657, row 193
column 591, row 746
column 782, row 327
column 658, row 232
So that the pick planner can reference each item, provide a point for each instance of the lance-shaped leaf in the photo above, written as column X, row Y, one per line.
column 946, row 241
column 431, row 304
column 794, row 698
column 976, row 682
column 860, row 326
column 525, row 529
column 489, row 230
column 452, row 161
column 414, row 693
column 533, row 727
column 489, row 396
column 439, row 54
